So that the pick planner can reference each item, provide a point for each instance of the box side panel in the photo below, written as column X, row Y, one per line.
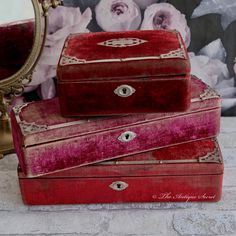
column 78, row 151
column 134, row 170
column 18, row 142
column 121, row 190
column 107, row 97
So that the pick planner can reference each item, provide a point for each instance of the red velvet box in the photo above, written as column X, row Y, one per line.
column 46, row 142
column 110, row 73
column 181, row 173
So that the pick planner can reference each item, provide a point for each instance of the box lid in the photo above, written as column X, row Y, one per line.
column 115, row 55
column 194, row 158
column 41, row 122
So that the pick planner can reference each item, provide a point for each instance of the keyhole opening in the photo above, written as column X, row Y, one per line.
column 119, row 186
column 124, row 91
column 127, row 136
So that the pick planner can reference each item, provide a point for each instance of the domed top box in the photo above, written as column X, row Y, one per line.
column 111, row 73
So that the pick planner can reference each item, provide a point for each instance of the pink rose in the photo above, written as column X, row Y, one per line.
column 165, row 16
column 145, row 3
column 62, row 22
column 118, row 15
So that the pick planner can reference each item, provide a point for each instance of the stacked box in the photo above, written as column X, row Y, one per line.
column 110, row 73
column 47, row 142
column 181, row 173
column 69, row 152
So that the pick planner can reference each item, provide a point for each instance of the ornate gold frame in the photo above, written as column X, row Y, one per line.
column 14, row 85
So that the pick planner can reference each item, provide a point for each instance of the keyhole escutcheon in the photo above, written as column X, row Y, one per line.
column 124, row 90
column 127, row 136
column 118, row 185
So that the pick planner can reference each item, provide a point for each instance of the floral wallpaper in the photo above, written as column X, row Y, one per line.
column 208, row 28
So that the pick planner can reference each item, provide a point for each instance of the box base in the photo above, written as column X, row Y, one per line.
column 47, row 191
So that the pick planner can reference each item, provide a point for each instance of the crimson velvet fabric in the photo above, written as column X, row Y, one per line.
column 88, row 47
column 46, row 142
column 148, row 177
column 154, row 63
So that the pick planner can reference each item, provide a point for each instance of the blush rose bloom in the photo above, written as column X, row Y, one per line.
column 165, row 16
column 62, row 22
column 118, row 15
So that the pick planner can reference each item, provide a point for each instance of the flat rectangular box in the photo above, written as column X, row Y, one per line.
column 112, row 73
column 181, row 173
column 46, row 142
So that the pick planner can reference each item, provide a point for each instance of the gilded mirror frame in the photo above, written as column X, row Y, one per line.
column 14, row 85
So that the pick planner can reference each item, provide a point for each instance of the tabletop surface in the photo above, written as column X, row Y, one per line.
column 149, row 219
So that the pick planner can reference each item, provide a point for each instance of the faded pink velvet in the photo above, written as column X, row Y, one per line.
column 96, row 139
column 161, row 85
column 147, row 182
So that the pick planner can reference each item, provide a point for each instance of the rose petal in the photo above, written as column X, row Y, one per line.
column 226, row 8
column 211, row 71
column 47, row 89
column 214, row 50
column 29, row 88
column 227, row 103
column 77, row 27
column 61, row 17
column 225, row 83
column 229, row 92
column 42, row 73
column 198, row 64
